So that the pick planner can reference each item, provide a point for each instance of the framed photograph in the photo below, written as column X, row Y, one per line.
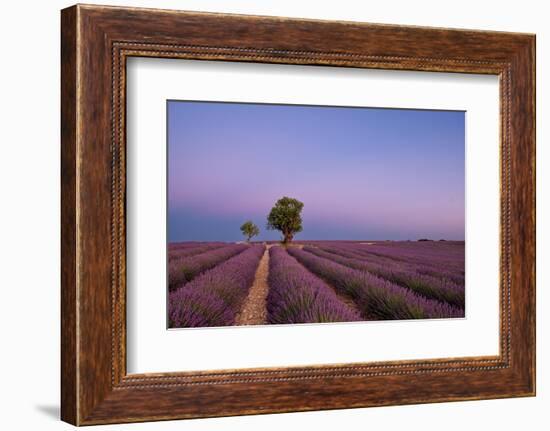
column 264, row 215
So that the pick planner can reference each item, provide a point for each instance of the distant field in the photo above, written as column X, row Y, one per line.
column 225, row 284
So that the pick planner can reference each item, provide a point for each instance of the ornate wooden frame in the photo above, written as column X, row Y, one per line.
column 95, row 42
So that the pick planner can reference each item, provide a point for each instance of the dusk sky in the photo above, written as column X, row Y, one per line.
column 362, row 173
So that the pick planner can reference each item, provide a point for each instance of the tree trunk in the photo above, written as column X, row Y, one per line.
column 287, row 238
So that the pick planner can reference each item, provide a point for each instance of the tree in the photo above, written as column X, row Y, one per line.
column 286, row 217
column 249, row 230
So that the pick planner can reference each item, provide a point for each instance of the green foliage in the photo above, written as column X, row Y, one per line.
column 249, row 230
column 286, row 217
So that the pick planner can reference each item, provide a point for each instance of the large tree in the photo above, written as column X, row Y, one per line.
column 249, row 230
column 286, row 217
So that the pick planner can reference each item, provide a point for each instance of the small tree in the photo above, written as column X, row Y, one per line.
column 286, row 217
column 249, row 230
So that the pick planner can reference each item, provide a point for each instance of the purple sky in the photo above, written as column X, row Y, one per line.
column 362, row 173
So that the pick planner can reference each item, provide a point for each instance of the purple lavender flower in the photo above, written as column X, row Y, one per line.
column 297, row 296
column 214, row 297
column 429, row 286
column 181, row 252
column 183, row 270
column 374, row 295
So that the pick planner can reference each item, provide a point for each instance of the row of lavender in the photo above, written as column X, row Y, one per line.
column 173, row 246
column 433, row 286
column 297, row 296
column 214, row 297
column 382, row 282
column 178, row 253
column 440, row 257
column 376, row 297
column 182, row 269
column 432, row 269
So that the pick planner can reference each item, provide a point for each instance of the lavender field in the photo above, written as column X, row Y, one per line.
column 313, row 214
column 213, row 284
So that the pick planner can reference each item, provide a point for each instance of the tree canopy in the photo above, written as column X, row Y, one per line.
column 286, row 217
column 249, row 230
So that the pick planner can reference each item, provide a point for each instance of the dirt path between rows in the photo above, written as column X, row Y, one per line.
column 254, row 308
column 254, row 311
